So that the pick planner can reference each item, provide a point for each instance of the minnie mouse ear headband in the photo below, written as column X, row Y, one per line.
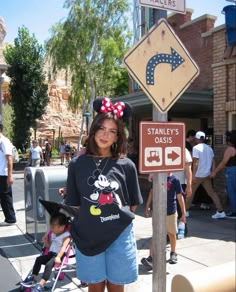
column 103, row 105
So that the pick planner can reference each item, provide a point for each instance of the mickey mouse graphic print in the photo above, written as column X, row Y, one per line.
column 104, row 194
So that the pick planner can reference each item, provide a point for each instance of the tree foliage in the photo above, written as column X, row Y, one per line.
column 8, row 115
column 90, row 45
column 28, row 90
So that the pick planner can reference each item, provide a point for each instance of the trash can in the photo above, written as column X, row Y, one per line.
column 230, row 23
column 48, row 180
column 30, row 199
column 30, row 204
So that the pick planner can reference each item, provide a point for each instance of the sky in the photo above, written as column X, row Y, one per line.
column 38, row 16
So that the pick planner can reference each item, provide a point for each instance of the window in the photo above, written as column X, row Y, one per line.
column 232, row 121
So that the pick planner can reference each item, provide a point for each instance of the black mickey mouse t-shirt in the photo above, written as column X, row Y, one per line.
column 104, row 194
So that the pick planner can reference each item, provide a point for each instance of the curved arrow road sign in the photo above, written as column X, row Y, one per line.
column 161, row 65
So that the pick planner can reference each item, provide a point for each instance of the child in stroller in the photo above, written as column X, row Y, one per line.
column 56, row 245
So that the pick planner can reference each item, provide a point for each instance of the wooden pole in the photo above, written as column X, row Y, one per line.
column 159, row 223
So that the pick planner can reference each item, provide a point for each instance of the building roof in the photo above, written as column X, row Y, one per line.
column 195, row 101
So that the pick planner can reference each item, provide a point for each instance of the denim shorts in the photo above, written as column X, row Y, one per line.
column 117, row 264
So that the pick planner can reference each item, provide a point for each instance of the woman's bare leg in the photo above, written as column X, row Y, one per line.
column 114, row 288
column 98, row 287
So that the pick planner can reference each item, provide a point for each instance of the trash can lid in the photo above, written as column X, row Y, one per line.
column 227, row 8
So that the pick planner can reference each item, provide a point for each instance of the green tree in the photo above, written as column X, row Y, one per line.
column 90, row 45
column 8, row 115
column 27, row 87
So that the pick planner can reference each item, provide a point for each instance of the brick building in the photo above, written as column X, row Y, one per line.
column 217, row 62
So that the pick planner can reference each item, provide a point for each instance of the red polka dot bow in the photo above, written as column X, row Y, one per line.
column 117, row 108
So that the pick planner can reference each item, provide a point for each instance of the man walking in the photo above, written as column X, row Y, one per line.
column 203, row 164
column 6, row 179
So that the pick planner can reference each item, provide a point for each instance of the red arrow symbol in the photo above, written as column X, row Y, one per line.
column 173, row 155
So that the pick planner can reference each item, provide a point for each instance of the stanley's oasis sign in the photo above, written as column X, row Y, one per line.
column 162, row 147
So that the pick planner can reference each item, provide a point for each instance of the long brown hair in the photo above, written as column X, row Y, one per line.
column 231, row 137
column 118, row 149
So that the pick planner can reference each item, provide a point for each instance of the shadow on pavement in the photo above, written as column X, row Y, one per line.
column 18, row 246
column 201, row 225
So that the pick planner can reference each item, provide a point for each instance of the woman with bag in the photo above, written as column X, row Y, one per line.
column 103, row 183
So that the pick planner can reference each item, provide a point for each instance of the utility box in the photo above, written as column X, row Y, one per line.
column 30, row 202
column 48, row 181
column 230, row 23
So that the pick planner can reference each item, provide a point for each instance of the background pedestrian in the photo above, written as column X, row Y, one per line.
column 229, row 163
column 62, row 152
column 203, row 165
column 36, row 154
column 6, row 179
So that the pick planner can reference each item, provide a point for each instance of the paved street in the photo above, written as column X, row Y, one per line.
column 210, row 242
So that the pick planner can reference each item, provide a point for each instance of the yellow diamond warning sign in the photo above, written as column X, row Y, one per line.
column 161, row 66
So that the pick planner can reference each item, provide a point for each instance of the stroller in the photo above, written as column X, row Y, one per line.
column 66, row 265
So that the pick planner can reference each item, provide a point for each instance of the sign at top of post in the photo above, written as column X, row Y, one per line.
column 161, row 65
column 173, row 5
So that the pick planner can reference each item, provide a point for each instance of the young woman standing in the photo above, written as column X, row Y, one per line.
column 103, row 183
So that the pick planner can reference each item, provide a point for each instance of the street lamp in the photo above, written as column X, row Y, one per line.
column 53, row 137
column 87, row 116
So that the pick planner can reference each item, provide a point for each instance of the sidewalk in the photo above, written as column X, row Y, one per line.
column 209, row 243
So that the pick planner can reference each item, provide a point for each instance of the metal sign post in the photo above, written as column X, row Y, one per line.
column 163, row 68
column 159, row 223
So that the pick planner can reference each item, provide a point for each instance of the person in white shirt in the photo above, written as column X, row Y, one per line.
column 6, row 179
column 62, row 152
column 203, row 165
column 36, row 154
